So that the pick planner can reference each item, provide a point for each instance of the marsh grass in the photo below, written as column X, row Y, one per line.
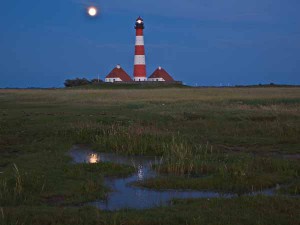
column 292, row 189
column 186, row 159
column 38, row 127
column 14, row 192
column 127, row 140
column 68, row 183
column 239, row 211
column 202, row 168
column 21, row 187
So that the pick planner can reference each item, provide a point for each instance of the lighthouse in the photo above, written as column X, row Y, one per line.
column 139, row 56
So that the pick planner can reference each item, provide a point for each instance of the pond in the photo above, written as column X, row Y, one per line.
column 126, row 196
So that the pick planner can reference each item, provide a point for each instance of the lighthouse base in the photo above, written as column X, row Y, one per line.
column 140, row 79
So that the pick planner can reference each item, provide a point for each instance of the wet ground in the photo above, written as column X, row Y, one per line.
column 124, row 195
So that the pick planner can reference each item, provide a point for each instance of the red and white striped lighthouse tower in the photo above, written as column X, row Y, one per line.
column 139, row 56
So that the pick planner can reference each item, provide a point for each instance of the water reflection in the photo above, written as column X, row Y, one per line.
column 126, row 196
column 140, row 173
column 93, row 158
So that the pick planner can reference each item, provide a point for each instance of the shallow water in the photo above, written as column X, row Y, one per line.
column 124, row 195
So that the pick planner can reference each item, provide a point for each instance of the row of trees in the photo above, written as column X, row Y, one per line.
column 80, row 82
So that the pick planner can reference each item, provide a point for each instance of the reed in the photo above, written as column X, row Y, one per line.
column 13, row 194
column 131, row 140
column 19, row 183
column 239, row 173
column 186, row 159
column 2, row 213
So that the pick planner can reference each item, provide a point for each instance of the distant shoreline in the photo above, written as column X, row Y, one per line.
column 147, row 86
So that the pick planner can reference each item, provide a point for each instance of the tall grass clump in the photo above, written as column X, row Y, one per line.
column 12, row 190
column 186, row 159
column 249, row 173
column 131, row 140
column 18, row 187
column 19, row 183
column 238, row 173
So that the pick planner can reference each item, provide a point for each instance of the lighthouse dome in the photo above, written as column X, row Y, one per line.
column 139, row 20
column 139, row 24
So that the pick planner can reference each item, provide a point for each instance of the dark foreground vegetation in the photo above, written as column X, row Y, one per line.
column 81, row 82
column 235, row 140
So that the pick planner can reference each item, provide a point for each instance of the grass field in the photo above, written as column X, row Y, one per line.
column 225, row 139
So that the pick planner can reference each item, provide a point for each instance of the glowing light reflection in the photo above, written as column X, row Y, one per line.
column 93, row 158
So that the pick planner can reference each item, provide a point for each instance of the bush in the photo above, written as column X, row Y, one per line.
column 96, row 81
column 76, row 82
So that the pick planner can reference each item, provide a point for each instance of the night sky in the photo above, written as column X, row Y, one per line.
column 203, row 42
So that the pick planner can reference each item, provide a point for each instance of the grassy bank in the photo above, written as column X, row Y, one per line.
column 231, row 139
column 202, row 168
column 242, row 211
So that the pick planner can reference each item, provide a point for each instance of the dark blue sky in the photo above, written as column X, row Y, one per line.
column 208, row 42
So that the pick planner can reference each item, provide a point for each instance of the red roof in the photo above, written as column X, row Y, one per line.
column 118, row 72
column 161, row 73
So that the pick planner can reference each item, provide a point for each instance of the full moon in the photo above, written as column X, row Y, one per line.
column 92, row 11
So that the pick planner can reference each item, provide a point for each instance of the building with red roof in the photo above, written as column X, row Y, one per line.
column 160, row 75
column 118, row 75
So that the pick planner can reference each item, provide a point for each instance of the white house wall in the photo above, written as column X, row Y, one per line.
column 111, row 80
column 156, row 79
column 140, row 79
